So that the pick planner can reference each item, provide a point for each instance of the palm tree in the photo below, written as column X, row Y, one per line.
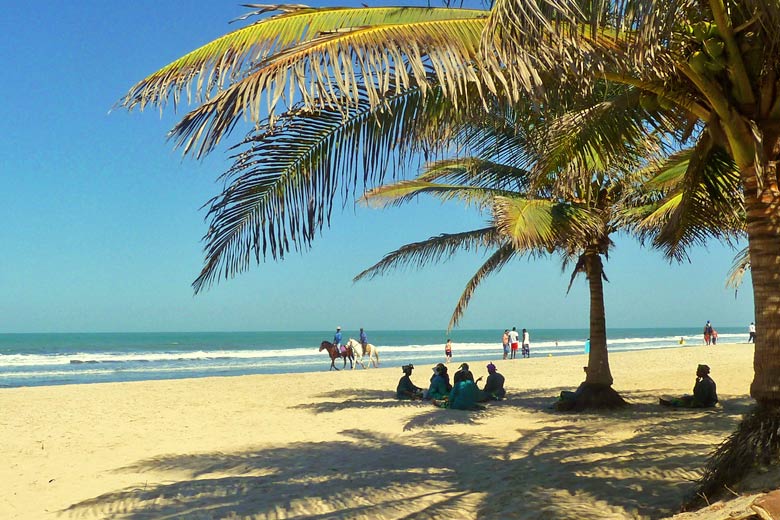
column 527, row 221
column 547, row 196
column 711, row 68
column 717, row 63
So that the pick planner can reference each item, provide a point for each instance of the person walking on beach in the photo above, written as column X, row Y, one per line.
column 752, row 332
column 337, row 340
column 505, row 342
column 448, row 350
column 526, row 344
column 514, row 342
column 714, row 337
column 707, row 333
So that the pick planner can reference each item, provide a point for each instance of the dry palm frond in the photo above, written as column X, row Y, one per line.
column 739, row 268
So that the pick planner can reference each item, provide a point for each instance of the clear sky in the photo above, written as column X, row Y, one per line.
column 102, row 227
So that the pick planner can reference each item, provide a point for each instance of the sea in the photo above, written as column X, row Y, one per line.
column 33, row 359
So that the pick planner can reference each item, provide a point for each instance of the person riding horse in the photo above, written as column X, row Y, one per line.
column 337, row 341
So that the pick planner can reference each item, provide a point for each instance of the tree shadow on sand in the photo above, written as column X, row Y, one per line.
column 566, row 469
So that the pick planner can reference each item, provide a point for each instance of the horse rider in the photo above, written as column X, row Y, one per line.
column 337, row 340
column 363, row 339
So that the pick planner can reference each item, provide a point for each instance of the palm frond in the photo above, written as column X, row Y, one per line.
column 494, row 264
column 435, row 249
column 738, row 270
column 337, row 70
column 702, row 201
column 214, row 66
column 404, row 191
column 544, row 225
column 281, row 187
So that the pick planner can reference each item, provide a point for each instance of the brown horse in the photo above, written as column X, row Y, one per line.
column 335, row 354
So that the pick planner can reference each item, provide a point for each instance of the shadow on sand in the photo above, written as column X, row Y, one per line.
column 555, row 471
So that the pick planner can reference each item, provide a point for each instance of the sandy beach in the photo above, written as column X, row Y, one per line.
column 338, row 445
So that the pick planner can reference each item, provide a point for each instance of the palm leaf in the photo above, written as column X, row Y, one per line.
column 738, row 269
column 495, row 263
column 433, row 250
column 337, row 70
column 227, row 59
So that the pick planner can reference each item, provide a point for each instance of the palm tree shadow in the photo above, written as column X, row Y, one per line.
column 563, row 470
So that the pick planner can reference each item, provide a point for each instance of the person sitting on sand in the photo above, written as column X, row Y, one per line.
column 440, row 385
column 494, row 386
column 464, row 396
column 704, row 392
column 406, row 389
column 462, row 374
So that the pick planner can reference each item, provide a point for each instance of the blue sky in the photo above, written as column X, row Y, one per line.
column 102, row 224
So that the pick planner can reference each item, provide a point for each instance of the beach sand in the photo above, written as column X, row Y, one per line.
column 338, row 445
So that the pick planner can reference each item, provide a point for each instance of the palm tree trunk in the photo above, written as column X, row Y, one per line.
column 598, row 359
column 755, row 443
column 596, row 392
column 763, row 225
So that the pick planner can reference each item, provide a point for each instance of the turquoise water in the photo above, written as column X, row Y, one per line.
column 55, row 359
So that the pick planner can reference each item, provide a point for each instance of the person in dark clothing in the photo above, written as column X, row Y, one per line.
column 440, row 386
column 705, row 394
column 406, row 389
column 494, row 386
column 462, row 374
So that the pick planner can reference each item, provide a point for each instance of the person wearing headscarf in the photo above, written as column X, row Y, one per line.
column 406, row 389
column 462, row 374
column 439, row 387
column 464, row 395
column 494, row 386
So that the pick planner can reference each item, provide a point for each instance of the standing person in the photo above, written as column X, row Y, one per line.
column 363, row 340
column 587, row 345
column 448, row 350
column 337, row 340
column 752, row 332
column 514, row 342
column 707, row 332
column 714, row 337
column 505, row 342
column 526, row 344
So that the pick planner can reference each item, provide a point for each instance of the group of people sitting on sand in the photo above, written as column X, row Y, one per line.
column 462, row 394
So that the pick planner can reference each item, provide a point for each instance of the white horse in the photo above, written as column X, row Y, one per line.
column 371, row 351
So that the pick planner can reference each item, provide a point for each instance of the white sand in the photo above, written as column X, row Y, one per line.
column 338, row 445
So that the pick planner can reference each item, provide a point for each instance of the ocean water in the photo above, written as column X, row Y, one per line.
column 57, row 359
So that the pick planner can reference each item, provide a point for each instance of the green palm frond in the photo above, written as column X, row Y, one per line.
column 477, row 172
column 228, row 59
column 494, row 264
column 281, row 187
column 434, row 250
column 337, row 70
column 546, row 225
column 702, row 201
column 404, row 191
